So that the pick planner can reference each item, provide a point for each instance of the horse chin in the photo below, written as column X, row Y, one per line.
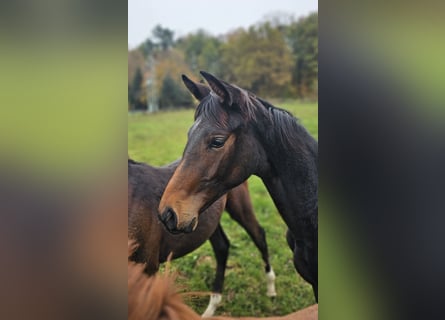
column 175, row 232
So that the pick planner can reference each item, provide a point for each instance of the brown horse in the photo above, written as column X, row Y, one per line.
column 235, row 135
column 155, row 298
column 145, row 187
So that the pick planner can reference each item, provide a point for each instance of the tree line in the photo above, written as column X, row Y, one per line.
column 275, row 58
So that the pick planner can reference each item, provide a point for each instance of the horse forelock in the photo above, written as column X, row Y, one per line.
column 210, row 109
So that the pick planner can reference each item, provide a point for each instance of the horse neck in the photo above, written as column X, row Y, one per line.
column 291, row 175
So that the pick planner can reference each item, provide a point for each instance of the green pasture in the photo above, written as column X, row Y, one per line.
column 158, row 139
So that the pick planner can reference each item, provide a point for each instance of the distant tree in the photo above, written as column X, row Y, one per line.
column 170, row 63
column 259, row 59
column 164, row 36
column 173, row 95
column 210, row 56
column 136, row 61
column 147, row 47
column 137, row 99
column 302, row 36
column 202, row 51
column 275, row 58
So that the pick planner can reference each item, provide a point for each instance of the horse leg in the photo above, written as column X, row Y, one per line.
column 305, row 261
column 240, row 209
column 220, row 244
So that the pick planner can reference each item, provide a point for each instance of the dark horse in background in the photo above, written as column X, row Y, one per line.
column 145, row 187
column 235, row 135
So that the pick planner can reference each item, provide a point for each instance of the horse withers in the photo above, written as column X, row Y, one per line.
column 235, row 135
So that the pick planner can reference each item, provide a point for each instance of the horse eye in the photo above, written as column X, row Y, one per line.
column 217, row 142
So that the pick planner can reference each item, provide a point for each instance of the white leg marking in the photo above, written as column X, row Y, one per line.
column 270, row 276
column 215, row 300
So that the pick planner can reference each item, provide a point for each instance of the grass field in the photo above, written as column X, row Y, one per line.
column 158, row 139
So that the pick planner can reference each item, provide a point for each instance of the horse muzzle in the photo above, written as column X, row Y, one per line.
column 170, row 220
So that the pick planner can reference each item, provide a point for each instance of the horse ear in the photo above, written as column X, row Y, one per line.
column 198, row 90
column 224, row 90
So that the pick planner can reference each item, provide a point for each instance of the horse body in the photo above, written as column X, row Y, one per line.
column 235, row 135
column 146, row 185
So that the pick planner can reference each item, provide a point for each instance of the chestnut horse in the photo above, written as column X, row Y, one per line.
column 155, row 298
column 235, row 135
column 145, row 187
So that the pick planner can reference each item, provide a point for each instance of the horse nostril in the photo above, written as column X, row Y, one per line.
column 169, row 219
column 191, row 226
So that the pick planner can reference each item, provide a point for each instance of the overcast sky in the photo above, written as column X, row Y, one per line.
column 215, row 16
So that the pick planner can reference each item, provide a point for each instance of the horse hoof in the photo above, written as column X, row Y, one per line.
column 271, row 294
